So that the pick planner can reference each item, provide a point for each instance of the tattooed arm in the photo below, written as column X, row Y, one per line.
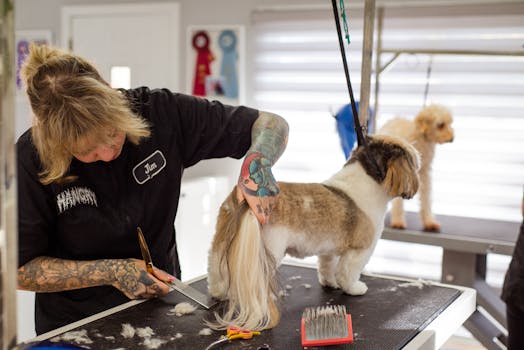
column 256, row 183
column 47, row 274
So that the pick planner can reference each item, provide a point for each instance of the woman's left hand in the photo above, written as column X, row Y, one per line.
column 257, row 186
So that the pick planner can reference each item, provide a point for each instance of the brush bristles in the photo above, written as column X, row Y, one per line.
column 324, row 322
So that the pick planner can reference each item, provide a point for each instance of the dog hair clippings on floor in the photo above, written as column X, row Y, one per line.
column 326, row 325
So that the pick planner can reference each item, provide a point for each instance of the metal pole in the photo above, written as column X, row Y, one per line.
column 367, row 58
column 455, row 52
column 378, row 62
column 8, row 217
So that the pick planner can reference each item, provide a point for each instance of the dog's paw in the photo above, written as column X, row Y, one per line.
column 218, row 291
column 331, row 283
column 398, row 224
column 219, row 296
column 357, row 288
column 431, row 226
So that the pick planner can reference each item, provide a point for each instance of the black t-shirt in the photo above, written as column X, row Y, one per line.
column 96, row 216
column 513, row 288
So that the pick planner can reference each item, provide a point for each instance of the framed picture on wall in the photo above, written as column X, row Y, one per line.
column 215, row 63
column 23, row 38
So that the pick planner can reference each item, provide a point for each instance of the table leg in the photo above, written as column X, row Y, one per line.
column 469, row 269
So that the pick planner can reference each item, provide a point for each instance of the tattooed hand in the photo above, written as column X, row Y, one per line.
column 47, row 274
column 257, row 186
column 133, row 280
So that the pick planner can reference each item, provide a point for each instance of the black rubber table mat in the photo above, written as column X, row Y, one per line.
column 388, row 316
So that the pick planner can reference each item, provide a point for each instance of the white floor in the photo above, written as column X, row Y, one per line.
column 462, row 340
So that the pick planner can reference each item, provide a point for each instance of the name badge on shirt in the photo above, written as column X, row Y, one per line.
column 149, row 167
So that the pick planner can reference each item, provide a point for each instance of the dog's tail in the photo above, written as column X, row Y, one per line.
column 252, row 295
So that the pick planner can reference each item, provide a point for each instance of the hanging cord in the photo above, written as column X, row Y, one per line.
column 428, row 78
column 345, row 21
column 358, row 128
column 361, row 140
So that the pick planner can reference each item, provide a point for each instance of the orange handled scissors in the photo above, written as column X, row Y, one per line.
column 234, row 333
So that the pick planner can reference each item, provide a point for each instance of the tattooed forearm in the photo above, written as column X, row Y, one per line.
column 256, row 183
column 269, row 136
column 47, row 274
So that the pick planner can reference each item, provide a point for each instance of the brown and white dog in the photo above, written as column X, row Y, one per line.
column 431, row 125
column 339, row 220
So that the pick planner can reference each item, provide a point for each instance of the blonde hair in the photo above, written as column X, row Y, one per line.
column 71, row 101
column 246, row 266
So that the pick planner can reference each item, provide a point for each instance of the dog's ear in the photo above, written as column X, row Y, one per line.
column 402, row 178
column 424, row 122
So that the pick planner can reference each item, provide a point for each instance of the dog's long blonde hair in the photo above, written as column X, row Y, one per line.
column 71, row 101
column 250, row 268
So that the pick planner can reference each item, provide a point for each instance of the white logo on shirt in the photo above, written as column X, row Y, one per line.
column 74, row 196
column 149, row 167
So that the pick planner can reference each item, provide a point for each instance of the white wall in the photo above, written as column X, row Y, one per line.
column 38, row 14
column 46, row 15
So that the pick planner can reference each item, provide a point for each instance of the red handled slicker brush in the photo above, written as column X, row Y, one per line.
column 326, row 325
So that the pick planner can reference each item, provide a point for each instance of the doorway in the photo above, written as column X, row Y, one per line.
column 132, row 45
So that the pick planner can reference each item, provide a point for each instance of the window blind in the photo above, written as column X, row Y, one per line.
column 298, row 73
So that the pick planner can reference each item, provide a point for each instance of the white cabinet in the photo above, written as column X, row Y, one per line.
column 200, row 199
column 25, row 315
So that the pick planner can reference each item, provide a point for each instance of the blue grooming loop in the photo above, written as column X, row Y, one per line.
column 346, row 127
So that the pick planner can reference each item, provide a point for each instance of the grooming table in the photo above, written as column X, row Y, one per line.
column 393, row 314
column 466, row 242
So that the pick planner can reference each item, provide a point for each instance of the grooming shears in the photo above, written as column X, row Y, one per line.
column 177, row 285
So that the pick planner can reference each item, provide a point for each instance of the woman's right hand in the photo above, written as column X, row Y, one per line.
column 132, row 279
column 46, row 274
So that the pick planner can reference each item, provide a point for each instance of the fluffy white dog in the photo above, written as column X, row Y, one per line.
column 339, row 220
column 431, row 125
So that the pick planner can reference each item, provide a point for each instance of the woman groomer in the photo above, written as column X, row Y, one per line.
column 98, row 162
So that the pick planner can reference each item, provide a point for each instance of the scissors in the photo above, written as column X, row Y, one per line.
column 177, row 285
column 145, row 252
column 233, row 333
